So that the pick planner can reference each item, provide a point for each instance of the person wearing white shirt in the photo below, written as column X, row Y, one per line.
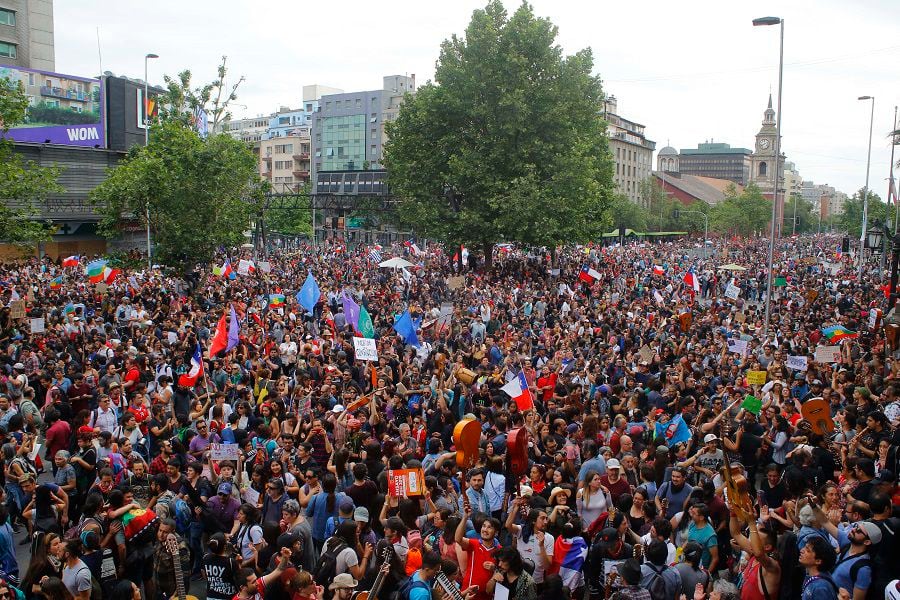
column 104, row 416
column 538, row 549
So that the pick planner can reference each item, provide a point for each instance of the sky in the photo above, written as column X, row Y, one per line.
column 690, row 71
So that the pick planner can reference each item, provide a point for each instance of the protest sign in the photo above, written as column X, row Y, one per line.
column 405, row 482
column 455, row 283
column 797, row 363
column 224, row 451
column 737, row 346
column 101, row 288
column 756, row 377
column 244, row 267
column 874, row 315
column 752, row 404
column 732, row 291
column 646, row 353
column 740, row 317
column 366, row 349
column 828, row 354
column 17, row 309
column 265, row 266
column 37, row 325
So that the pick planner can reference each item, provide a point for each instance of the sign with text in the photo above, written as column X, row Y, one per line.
column 797, row 363
column 37, row 325
column 737, row 346
column 224, row 451
column 828, row 354
column 244, row 267
column 732, row 291
column 17, row 309
column 365, row 348
column 756, row 377
column 405, row 482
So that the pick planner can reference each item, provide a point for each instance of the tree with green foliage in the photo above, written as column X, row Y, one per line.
column 294, row 216
column 508, row 144
column 23, row 183
column 746, row 214
column 180, row 101
column 624, row 212
column 850, row 218
column 196, row 189
column 807, row 219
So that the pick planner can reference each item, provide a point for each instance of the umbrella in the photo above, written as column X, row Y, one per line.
column 732, row 267
column 395, row 263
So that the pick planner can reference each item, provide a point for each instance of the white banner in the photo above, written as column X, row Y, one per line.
column 732, row 291
column 224, row 451
column 737, row 346
column 244, row 267
column 366, row 349
column 265, row 266
column 828, row 354
column 37, row 325
column 797, row 363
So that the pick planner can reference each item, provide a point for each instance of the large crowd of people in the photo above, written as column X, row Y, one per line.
column 640, row 432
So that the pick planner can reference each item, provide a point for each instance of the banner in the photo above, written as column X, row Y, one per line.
column 62, row 109
column 732, row 291
column 797, row 363
column 828, row 354
column 224, row 451
column 737, row 346
column 366, row 349
column 756, row 377
column 37, row 325
column 405, row 482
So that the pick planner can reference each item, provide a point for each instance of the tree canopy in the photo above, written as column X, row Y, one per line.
column 508, row 143
column 23, row 183
column 850, row 218
column 180, row 102
column 746, row 213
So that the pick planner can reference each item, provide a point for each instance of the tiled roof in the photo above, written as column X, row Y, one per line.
column 708, row 189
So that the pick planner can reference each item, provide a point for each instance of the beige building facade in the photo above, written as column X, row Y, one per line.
column 26, row 34
column 632, row 152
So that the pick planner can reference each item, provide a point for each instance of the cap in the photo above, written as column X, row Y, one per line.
column 361, row 514
column 872, row 531
column 225, row 488
column 346, row 506
column 608, row 536
column 710, row 437
column 344, row 581
column 572, row 428
column 613, row 463
column 816, row 382
column 338, row 408
column 19, row 366
column 85, row 429
column 287, row 539
column 658, row 411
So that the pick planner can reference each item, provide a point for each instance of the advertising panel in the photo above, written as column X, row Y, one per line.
column 62, row 109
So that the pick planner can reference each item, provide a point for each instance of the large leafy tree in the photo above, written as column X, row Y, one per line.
column 745, row 213
column 508, row 143
column 181, row 101
column 199, row 192
column 23, row 183
column 850, row 218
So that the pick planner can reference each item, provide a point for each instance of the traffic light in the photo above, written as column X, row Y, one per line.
column 845, row 244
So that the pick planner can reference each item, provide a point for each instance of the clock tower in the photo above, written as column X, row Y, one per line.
column 762, row 161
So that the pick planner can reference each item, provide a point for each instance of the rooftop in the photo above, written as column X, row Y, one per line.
column 715, row 148
column 708, row 189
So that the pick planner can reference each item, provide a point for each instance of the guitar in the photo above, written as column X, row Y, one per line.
column 817, row 412
column 736, row 485
column 372, row 594
column 466, row 438
column 172, row 548
column 449, row 588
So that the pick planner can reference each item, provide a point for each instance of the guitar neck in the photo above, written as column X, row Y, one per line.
column 179, row 578
column 449, row 588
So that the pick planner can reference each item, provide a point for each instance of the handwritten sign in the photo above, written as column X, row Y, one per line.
column 874, row 315
column 224, row 451
column 732, row 291
column 101, row 288
column 244, row 267
column 38, row 325
column 828, row 354
column 737, row 346
column 797, row 363
column 455, row 283
column 646, row 353
column 756, row 377
column 265, row 266
column 366, row 349
column 405, row 482
column 17, row 309
column 752, row 404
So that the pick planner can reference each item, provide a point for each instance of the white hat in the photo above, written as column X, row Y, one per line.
column 613, row 464
column 338, row 408
column 710, row 437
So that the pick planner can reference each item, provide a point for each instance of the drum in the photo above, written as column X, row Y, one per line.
column 467, row 376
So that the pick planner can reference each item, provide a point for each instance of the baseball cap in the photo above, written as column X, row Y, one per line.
column 225, row 488
column 346, row 506
column 572, row 428
column 872, row 531
column 361, row 514
column 613, row 463
column 85, row 429
column 338, row 408
column 710, row 437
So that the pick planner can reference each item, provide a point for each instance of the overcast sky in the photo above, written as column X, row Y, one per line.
column 690, row 71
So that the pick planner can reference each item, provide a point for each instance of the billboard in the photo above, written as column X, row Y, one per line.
column 62, row 109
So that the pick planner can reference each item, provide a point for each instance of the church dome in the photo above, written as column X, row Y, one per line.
column 668, row 151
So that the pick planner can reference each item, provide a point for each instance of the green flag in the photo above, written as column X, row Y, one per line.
column 752, row 404
column 365, row 323
column 779, row 282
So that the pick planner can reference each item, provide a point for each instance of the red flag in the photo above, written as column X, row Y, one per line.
column 220, row 339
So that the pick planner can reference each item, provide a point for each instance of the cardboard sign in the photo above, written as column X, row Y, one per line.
column 101, row 288
column 365, row 348
column 752, row 404
column 797, row 363
column 737, row 346
column 224, row 452
column 740, row 317
column 756, row 377
column 17, row 309
column 456, row 283
column 446, row 316
column 37, row 325
column 828, row 354
column 732, row 291
column 265, row 266
column 405, row 482
column 646, row 353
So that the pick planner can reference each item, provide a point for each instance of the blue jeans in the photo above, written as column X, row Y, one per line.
column 195, row 543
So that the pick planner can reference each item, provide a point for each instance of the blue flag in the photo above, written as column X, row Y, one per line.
column 405, row 329
column 309, row 294
column 674, row 432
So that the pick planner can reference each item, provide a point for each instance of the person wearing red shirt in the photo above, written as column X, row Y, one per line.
column 252, row 587
column 481, row 551
column 132, row 376
column 57, row 436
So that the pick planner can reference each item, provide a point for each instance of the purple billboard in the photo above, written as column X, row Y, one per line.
column 62, row 109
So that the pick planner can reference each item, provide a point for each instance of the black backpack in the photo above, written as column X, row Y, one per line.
column 406, row 587
column 326, row 568
column 657, row 586
column 864, row 561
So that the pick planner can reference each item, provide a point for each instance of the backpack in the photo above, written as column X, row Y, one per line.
column 657, row 586
column 326, row 568
column 182, row 515
column 26, row 465
column 405, row 588
column 865, row 561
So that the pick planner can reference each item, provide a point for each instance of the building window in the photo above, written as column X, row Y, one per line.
column 763, row 168
column 7, row 50
column 7, row 17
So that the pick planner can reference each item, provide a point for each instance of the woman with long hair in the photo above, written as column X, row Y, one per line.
column 337, row 464
column 830, row 501
column 52, row 588
column 246, row 535
column 592, row 498
column 125, row 590
column 449, row 548
column 323, row 505
column 537, row 478
column 45, row 548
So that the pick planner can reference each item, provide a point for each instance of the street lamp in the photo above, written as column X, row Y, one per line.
column 147, row 58
column 757, row 23
column 865, row 218
column 874, row 237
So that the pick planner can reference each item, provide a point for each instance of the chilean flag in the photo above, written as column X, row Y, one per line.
column 568, row 561
column 190, row 378
column 71, row 261
column 588, row 275
column 691, row 280
column 517, row 388
column 658, row 270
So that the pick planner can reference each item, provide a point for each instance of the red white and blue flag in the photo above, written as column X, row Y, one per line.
column 588, row 275
column 658, row 270
column 71, row 261
column 692, row 281
column 190, row 378
column 517, row 388
column 568, row 561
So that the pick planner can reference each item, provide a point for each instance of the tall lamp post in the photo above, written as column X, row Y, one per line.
column 865, row 218
column 147, row 58
column 778, row 174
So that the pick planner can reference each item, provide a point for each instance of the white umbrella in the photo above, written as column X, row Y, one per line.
column 732, row 267
column 395, row 263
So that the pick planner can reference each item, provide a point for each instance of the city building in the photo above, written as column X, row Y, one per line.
column 692, row 188
column 26, row 34
column 284, row 160
column 631, row 150
column 716, row 160
column 250, row 129
column 667, row 160
column 793, row 183
column 827, row 201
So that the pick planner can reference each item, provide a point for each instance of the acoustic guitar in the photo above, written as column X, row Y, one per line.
column 372, row 594
column 467, row 439
column 817, row 412
column 172, row 548
column 736, row 485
